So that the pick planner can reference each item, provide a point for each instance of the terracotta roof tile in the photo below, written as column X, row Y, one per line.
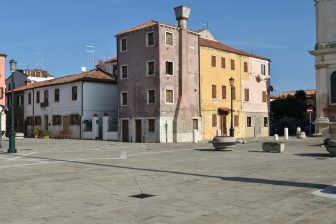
column 93, row 75
column 219, row 46
column 142, row 26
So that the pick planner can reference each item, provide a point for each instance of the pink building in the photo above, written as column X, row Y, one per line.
column 3, row 88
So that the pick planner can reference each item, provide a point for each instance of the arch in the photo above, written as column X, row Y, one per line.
column 333, row 87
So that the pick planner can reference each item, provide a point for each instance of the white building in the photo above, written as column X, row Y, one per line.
column 65, row 106
column 325, row 65
column 24, row 77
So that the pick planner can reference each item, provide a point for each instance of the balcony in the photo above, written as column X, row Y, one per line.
column 45, row 104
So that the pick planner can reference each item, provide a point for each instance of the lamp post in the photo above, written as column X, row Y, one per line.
column 231, row 128
column 12, row 149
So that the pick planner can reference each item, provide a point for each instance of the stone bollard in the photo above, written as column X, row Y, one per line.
column 286, row 133
column 276, row 137
column 298, row 130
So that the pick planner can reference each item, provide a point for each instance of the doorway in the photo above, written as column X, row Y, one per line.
column 223, row 125
column 66, row 124
column 138, row 131
column 124, row 130
column 46, row 122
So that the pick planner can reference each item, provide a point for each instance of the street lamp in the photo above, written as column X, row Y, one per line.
column 12, row 149
column 232, row 86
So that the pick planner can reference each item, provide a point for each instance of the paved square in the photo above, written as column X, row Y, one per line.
column 74, row 181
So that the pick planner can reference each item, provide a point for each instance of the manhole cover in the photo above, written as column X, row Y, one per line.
column 142, row 196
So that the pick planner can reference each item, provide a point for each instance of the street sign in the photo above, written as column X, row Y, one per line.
column 310, row 110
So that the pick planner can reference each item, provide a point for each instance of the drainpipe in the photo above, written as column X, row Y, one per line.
column 81, row 122
column 33, row 102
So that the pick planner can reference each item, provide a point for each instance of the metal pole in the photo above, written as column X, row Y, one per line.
column 12, row 134
column 231, row 128
column 310, row 123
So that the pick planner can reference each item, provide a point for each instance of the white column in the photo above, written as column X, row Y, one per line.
column 95, row 127
column 105, row 126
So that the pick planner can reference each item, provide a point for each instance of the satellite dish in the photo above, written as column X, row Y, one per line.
column 84, row 69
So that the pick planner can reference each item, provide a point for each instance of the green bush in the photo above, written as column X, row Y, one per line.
column 36, row 132
column 45, row 133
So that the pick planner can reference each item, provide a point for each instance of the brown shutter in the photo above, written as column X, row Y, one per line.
column 214, row 92
column 245, row 67
column 213, row 61
column 233, row 93
column 236, row 120
column 223, row 92
column 223, row 62
column 214, row 120
column 264, row 97
column 247, row 94
column 233, row 66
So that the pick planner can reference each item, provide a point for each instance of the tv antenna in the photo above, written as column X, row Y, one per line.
column 206, row 25
column 91, row 50
column 40, row 60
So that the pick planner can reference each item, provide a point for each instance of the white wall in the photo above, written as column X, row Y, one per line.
column 19, row 80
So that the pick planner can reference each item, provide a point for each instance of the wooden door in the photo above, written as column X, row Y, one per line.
column 66, row 124
column 46, row 122
column 138, row 131
column 223, row 125
column 124, row 130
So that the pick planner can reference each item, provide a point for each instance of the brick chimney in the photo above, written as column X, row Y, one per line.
column 182, row 15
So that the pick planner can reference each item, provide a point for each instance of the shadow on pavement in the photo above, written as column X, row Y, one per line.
column 314, row 154
column 236, row 179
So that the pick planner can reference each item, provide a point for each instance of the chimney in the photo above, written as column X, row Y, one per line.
column 182, row 15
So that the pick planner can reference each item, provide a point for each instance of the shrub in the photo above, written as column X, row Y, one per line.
column 45, row 133
column 36, row 132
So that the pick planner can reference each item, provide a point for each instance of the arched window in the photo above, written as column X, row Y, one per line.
column 333, row 87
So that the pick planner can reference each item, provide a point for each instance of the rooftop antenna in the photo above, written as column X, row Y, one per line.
column 91, row 50
column 206, row 27
column 40, row 61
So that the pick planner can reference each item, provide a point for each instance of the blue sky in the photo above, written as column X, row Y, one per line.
column 281, row 30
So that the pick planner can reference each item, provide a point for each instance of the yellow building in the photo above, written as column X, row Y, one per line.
column 218, row 63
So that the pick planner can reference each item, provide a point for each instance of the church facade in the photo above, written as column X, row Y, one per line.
column 325, row 65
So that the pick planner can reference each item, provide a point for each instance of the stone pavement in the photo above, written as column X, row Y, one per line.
column 74, row 181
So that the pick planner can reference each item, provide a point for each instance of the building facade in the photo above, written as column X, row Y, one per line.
column 325, row 65
column 65, row 105
column 159, row 81
column 3, row 89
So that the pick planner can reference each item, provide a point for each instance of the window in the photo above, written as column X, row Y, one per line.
column 150, row 39
column 150, row 67
column 214, row 92
column 169, row 96
column 9, row 87
column 247, row 94
column 17, row 100
column 151, row 125
column 30, row 121
column 223, row 63
column 57, row 96
column 214, row 120
column 233, row 93
column 22, row 100
column 236, row 120
column 249, row 122
column 223, row 92
column 123, row 98
column 213, row 61
column 233, row 65
column 74, row 119
column 195, row 124
column 29, row 98
column 74, row 93
column 57, row 120
column 245, row 67
column 38, row 120
column 150, row 96
column 265, row 122
column 333, row 87
column 46, row 96
column 38, row 97
column 1, row 92
column 169, row 68
column 123, row 45
column 124, row 72
column 263, row 69
column 169, row 39
column 264, row 97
